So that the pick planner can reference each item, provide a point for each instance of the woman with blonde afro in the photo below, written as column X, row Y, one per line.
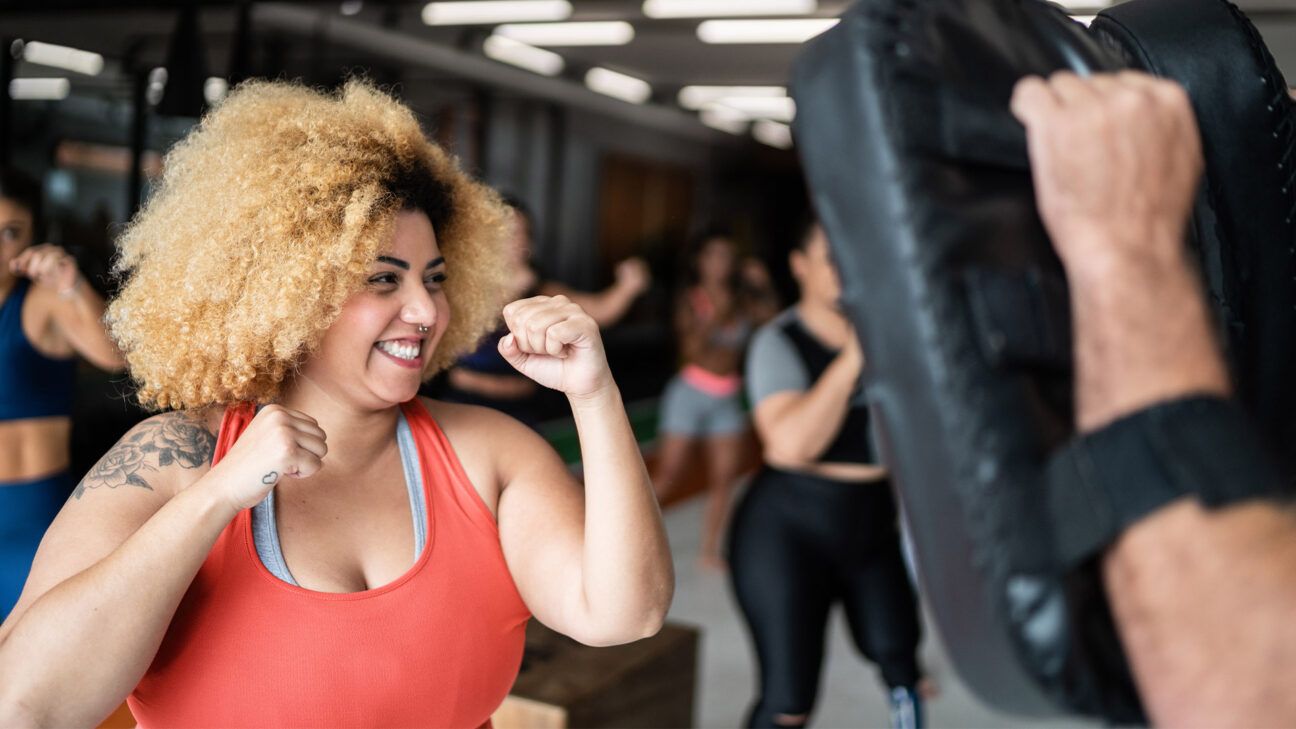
column 300, row 540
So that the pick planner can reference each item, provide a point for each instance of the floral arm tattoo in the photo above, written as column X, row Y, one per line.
column 179, row 438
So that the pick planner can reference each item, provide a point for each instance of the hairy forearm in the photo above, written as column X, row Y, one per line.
column 627, row 577
column 80, row 649
column 1204, row 601
column 1142, row 335
column 805, row 429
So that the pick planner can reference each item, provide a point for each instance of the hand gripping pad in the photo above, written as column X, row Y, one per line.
column 1242, row 221
column 920, row 176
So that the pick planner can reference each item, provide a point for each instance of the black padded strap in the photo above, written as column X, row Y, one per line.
column 1205, row 447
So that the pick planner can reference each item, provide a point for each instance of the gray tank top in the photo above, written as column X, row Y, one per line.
column 265, row 531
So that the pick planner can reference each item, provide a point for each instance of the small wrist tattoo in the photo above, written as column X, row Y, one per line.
column 270, row 478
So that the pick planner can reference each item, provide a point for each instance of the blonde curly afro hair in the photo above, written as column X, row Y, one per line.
column 268, row 218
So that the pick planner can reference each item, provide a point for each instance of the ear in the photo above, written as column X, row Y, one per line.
column 797, row 264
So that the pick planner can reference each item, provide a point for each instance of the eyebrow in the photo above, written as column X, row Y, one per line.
column 398, row 263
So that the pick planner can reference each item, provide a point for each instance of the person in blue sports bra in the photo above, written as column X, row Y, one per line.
column 48, row 316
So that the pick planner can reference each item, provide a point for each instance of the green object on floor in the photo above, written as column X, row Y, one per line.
column 561, row 432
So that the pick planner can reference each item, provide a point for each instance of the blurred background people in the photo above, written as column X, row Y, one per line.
column 484, row 377
column 818, row 526
column 49, row 315
column 721, row 302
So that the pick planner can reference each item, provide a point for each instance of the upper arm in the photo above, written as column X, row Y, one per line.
column 776, row 380
column 541, row 523
column 134, row 479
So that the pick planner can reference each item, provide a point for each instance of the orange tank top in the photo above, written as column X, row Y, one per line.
column 438, row 647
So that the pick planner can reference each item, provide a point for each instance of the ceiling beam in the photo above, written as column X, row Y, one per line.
column 407, row 49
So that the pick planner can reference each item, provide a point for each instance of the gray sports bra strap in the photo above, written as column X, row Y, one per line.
column 265, row 529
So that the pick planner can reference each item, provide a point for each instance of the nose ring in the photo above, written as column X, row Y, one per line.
column 422, row 329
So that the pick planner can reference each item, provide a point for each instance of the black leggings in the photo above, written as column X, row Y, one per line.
column 799, row 544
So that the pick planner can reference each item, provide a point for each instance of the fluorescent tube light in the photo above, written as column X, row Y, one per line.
column 39, row 89
column 613, row 33
column 772, row 133
column 215, row 89
column 491, row 12
column 724, row 8
column 723, row 118
column 754, row 107
column 1084, row 4
column 618, row 85
column 71, row 59
column 538, row 60
column 696, row 97
column 795, row 30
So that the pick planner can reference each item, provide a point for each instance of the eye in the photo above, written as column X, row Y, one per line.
column 386, row 278
column 435, row 280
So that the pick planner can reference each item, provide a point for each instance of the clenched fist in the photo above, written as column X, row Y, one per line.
column 47, row 265
column 555, row 343
column 1116, row 160
column 278, row 442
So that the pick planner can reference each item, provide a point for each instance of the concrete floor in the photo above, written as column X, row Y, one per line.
column 849, row 694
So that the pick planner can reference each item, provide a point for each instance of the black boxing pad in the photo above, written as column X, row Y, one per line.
column 920, row 177
column 1242, row 223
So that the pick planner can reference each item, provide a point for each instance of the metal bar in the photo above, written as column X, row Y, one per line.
column 138, row 138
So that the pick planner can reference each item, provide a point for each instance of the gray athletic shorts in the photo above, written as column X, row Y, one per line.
column 688, row 411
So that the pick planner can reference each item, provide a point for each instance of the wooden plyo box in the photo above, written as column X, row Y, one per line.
column 650, row 683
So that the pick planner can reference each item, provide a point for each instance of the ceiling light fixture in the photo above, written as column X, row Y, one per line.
column 39, row 89
column 754, row 107
column 610, row 33
column 1084, row 4
column 696, row 97
column 537, row 60
column 773, row 133
column 491, row 12
column 723, row 118
column 726, row 8
column 618, row 85
column 795, row 30
column 71, row 59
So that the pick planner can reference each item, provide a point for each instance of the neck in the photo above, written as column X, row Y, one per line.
column 825, row 321
column 355, row 435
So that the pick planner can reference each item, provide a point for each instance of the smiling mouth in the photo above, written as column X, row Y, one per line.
column 407, row 351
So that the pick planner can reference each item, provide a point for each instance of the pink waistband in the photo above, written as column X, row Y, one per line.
column 711, row 383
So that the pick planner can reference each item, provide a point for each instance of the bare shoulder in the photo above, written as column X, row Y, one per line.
column 489, row 444
column 478, row 427
column 163, row 454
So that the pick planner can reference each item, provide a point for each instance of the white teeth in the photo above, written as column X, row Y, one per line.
column 404, row 351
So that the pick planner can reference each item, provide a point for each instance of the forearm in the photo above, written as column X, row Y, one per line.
column 627, row 578
column 1142, row 334
column 607, row 306
column 802, row 432
column 80, row 649
column 1204, row 603
column 82, row 311
column 500, row 387
column 1202, row 600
